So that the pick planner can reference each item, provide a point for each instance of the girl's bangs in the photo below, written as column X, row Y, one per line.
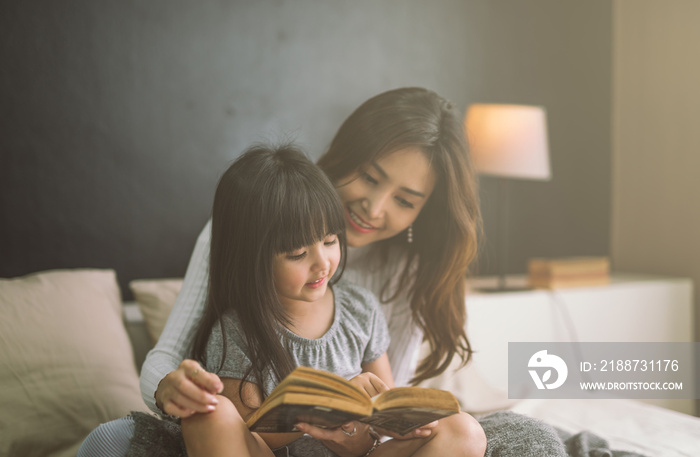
column 307, row 218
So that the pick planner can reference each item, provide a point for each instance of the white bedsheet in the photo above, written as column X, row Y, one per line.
column 626, row 424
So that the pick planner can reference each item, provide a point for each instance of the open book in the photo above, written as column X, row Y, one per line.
column 327, row 400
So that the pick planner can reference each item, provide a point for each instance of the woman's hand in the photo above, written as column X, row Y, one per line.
column 188, row 390
column 421, row 432
column 349, row 440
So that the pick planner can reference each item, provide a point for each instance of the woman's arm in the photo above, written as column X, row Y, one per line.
column 173, row 345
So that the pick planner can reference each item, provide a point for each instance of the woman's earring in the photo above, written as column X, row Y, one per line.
column 410, row 233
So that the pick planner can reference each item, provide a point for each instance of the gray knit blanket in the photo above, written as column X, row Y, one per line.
column 508, row 434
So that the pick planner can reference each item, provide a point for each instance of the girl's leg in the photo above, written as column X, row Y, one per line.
column 222, row 432
column 459, row 435
column 111, row 439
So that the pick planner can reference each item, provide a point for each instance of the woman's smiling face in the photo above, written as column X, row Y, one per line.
column 383, row 199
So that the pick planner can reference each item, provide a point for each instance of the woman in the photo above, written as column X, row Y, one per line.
column 401, row 167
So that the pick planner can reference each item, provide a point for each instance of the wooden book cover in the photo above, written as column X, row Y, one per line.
column 568, row 272
column 569, row 265
column 327, row 400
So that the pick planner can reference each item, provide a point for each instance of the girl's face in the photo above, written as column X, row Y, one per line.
column 303, row 275
column 387, row 196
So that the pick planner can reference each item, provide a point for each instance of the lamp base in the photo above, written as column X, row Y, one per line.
column 501, row 284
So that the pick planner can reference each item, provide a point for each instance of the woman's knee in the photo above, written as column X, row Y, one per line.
column 508, row 433
column 111, row 439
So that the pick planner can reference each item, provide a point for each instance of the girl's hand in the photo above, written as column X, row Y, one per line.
column 373, row 385
column 349, row 440
column 370, row 383
column 188, row 390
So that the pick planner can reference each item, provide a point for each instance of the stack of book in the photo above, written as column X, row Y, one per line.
column 568, row 272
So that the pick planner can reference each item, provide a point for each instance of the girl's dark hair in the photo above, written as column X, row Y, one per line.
column 269, row 201
column 447, row 229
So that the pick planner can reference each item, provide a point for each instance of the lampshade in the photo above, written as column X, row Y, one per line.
column 508, row 140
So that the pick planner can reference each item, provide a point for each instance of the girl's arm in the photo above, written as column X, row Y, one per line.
column 253, row 399
column 179, row 394
column 405, row 340
column 381, row 369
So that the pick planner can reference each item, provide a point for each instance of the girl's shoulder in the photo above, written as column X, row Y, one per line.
column 231, row 326
column 354, row 298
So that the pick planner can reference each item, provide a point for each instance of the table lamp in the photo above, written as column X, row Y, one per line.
column 507, row 141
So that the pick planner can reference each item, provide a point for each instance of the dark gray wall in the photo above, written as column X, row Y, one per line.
column 558, row 55
column 117, row 117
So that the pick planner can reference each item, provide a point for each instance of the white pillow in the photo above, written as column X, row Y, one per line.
column 66, row 363
column 155, row 298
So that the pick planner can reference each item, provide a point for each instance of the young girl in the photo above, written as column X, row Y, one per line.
column 277, row 244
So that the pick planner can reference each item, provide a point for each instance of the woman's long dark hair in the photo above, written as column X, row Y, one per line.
column 448, row 228
column 269, row 201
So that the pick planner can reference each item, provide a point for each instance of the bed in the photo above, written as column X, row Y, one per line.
column 70, row 349
column 631, row 308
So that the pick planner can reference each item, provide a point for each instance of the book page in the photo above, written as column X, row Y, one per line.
column 416, row 397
